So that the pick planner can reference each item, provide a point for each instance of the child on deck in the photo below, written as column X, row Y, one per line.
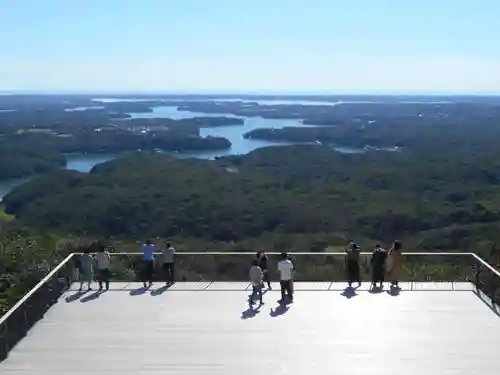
column 256, row 278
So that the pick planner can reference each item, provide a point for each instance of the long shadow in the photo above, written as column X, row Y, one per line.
column 349, row 292
column 250, row 312
column 488, row 302
column 138, row 291
column 159, row 291
column 376, row 290
column 75, row 297
column 394, row 291
column 281, row 309
column 92, row 296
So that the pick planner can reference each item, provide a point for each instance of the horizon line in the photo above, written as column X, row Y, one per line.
column 297, row 92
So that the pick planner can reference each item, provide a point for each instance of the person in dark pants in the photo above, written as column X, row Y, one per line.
column 262, row 263
column 255, row 274
column 168, row 266
column 148, row 249
column 285, row 269
column 103, row 260
column 379, row 257
column 352, row 263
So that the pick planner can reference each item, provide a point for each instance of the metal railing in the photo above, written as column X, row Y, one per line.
column 15, row 324
column 309, row 266
column 231, row 266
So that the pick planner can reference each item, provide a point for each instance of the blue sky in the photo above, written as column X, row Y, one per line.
column 254, row 45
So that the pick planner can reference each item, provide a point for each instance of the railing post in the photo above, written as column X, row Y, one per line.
column 494, row 292
column 25, row 319
column 477, row 275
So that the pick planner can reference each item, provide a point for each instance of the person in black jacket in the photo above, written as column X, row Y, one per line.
column 352, row 263
column 379, row 257
column 262, row 259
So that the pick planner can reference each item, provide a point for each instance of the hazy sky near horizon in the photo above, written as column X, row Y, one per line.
column 254, row 45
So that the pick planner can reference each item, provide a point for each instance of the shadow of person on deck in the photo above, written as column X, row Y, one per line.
column 76, row 296
column 138, row 291
column 281, row 309
column 376, row 289
column 250, row 312
column 349, row 292
column 92, row 296
column 159, row 291
column 394, row 291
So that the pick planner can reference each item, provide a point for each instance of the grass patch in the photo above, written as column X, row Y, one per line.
column 4, row 216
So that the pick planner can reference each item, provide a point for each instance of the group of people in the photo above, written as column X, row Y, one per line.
column 259, row 275
column 148, row 264
column 383, row 262
column 101, row 261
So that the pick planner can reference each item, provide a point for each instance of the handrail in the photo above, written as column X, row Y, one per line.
column 35, row 288
column 289, row 253
column 486, row 264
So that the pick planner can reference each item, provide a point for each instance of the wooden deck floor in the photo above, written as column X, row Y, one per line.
column 203, row 328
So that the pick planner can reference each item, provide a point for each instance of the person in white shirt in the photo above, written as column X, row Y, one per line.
column 256, row 275
column 103, row 260
column 285, row 269
column 168, row 255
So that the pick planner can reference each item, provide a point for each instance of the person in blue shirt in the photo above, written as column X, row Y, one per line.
column 148, row 249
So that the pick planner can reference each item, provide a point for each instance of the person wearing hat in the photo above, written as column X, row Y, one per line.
column 352, row 263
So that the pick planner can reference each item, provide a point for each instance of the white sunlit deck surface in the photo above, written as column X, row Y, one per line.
column 206, row 328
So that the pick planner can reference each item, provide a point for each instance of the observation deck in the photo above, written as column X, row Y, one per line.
column 443, row 320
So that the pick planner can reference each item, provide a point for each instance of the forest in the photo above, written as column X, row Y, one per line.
column 427, row 201
column 21, row 160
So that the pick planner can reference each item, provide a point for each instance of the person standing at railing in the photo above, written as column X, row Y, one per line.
column 285, row 269
column 86, row 269
column 396, row 263
column 353, row 251
column 378, row 262
column 168, row 266
column 148, row 265
column 256, row 276
column 103, row 260
column 262, row 263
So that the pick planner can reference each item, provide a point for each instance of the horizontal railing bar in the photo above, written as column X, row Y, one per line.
column 486, row 264
column 4, row 318
column 289, row 253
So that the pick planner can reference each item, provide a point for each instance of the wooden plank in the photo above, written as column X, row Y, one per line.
column 230, row 285
column 464, row 286
column 212, row 332
column 433, row 286
column 303, row 286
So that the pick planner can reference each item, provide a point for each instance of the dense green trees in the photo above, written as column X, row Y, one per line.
column 19, row 160
column 283, row 190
